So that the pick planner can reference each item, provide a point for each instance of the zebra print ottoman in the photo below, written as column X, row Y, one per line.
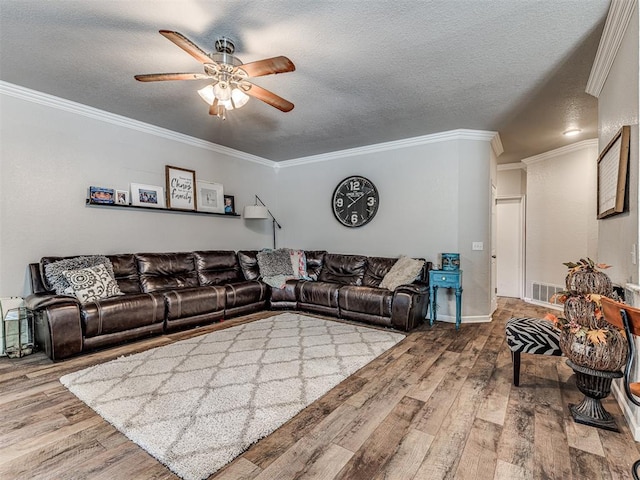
column 531, row 335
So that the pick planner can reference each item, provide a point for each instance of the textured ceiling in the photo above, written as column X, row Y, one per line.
column 367, row 72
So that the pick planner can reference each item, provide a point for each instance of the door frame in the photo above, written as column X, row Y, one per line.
column 523, row 239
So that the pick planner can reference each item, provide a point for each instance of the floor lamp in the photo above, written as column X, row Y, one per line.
column 261, row 212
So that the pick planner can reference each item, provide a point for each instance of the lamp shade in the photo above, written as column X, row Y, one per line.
column 255, row 211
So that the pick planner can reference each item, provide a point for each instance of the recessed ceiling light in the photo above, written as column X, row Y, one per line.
column 572, row 132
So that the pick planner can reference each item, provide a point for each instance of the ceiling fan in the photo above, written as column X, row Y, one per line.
column 229, row 87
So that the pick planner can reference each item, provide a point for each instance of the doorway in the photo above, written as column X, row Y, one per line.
column 510, row 243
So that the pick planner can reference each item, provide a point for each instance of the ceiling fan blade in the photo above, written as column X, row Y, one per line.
column 162, row 77
column 187, row 45
column 268, row 66
column 269, row 97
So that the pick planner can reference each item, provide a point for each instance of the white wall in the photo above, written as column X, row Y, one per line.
column 618, row 105
column 434, row 198
column 48, row 159
column 561, row 223
column 512, row 181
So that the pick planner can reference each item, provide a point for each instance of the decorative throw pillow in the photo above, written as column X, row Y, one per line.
column 54, row 272
column 403, row 272
column 275, row 262
column 299, row 263
column 92, row 283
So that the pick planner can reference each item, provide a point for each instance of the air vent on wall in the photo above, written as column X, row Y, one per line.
column 542, row 292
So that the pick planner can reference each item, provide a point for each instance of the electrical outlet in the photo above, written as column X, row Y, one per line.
column 477, row 246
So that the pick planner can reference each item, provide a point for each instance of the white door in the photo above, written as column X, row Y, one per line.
column 510, row 246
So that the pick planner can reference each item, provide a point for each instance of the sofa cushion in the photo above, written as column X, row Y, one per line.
column 189, row 302
column 91, row 283
column 343, row 269
column 53, row 268
column 248, row 260
column 117, row 314
column 324, row 294
column 315, row 261
column 245, row 293
column 166, row 271
column 217, row 267
column 403, row 272
column 125, row 271
column 370, row 300
column 377, row 268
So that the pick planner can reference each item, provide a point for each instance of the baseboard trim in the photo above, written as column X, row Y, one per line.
column 464, row 319
column 560, row 308
column 626, row 407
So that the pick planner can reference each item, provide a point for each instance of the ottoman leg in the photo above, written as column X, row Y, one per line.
column 515, row 358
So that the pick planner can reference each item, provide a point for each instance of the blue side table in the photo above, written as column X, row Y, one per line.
column 445, row 279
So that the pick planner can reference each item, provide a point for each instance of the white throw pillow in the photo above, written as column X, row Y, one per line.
column 91, row 283
column 403, row 272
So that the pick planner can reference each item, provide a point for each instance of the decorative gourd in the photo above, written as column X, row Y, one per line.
column 609, row 357
column 585, row 277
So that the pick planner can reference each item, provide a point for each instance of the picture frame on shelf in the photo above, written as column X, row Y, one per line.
column 151, row 196
column 122, row 197
column 613, row 164
column 101, row 195
column 209, row 197
column 181, row 188
column 229, row 205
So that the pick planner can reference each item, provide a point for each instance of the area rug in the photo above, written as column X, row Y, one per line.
column 198, row 403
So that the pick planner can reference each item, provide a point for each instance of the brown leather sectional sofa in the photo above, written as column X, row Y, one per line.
column 164, row 292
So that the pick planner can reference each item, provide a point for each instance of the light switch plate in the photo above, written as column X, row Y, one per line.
column 477, row 246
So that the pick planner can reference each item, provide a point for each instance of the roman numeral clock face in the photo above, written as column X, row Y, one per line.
column 355, row 201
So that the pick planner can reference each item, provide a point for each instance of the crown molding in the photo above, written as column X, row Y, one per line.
column 512, row 166
column 614, row 29
column 52, row 101
column 496, row 145
column 574, row 147
column 460, row 134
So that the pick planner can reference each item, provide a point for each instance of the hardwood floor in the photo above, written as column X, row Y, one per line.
column 440, row 404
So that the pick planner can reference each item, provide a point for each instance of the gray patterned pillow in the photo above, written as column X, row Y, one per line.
column 403, row 272
column 275, row 262
column 92, row 283
column 54, row 272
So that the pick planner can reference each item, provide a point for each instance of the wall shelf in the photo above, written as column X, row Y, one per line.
column 171, row 210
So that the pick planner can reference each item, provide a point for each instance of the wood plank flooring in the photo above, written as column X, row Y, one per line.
column 439, row 405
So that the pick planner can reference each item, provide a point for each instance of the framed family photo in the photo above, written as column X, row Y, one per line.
column 229, row 204
column 181, row 188
column 210, row 197
column 122, row 197
column 147, row 196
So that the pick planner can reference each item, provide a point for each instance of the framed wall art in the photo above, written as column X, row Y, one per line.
column 101, row 195
column 613, row 164
column 209, row 197
column 181, row 188
column 147, row 195
column 122, row 197
column 229, row 204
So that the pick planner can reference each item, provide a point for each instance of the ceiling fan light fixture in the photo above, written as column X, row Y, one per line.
column 207, row 94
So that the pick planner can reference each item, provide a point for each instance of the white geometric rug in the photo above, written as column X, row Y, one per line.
column 197, row 404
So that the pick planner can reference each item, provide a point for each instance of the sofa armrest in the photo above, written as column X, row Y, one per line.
column 58, row 327
column 409, row 307
column 417, row 288
column 38, row 301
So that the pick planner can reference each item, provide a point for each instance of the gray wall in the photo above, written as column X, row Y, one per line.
column 434, row 198
column 48, row 159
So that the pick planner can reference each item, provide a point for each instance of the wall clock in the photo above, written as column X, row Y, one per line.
column 355, row 201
